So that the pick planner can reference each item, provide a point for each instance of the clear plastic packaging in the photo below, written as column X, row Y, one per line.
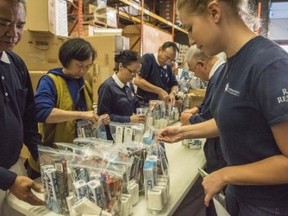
column 54, row 177
column 86, row 129
column 101, row 185
column 192, row 143
column 156, row 176
column 126, row 132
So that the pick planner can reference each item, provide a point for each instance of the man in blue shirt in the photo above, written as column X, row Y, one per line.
column 156, row 79
column 207, row 69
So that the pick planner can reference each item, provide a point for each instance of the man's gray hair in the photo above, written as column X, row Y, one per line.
column 23, row 2
column 194, row 53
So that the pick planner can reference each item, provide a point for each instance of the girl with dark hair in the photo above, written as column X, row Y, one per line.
column 116, row 94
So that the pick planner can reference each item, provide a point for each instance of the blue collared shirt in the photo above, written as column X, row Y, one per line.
column 116, row 99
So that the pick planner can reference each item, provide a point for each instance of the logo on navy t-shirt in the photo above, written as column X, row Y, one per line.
column 284, row 98
column 232, row 91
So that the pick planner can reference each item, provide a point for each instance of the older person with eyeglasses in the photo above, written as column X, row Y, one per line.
column 156, row 79
column 17, row 115
column 116, row 95
column 63, row 97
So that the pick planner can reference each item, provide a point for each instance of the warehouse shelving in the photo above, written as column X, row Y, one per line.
column 144, row 16
column 153, row 15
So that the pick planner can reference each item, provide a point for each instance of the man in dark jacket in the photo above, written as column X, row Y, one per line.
column 207, row 69
column 17, row 114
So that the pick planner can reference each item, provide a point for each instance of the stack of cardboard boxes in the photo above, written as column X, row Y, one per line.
column 40, row 53
column 47, row 16
column 40, row 44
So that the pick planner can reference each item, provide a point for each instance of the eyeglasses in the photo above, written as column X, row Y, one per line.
column 168, row 59
column 131, row 71
column 9, row 25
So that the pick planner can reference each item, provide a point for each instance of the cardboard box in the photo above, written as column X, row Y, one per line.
column 153, row 37
column 94, row 79
column 47, row 16
column 103, row 15
column 198, row 92
column 196, row 97
column 95, row 31
column 40, row 50
column 35, row 77
column 40, row 53
column 91, row 30
column 194, row 100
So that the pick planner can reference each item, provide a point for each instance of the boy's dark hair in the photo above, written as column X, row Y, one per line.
column 126, row 57
column 170, row 44
column 76, row 48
